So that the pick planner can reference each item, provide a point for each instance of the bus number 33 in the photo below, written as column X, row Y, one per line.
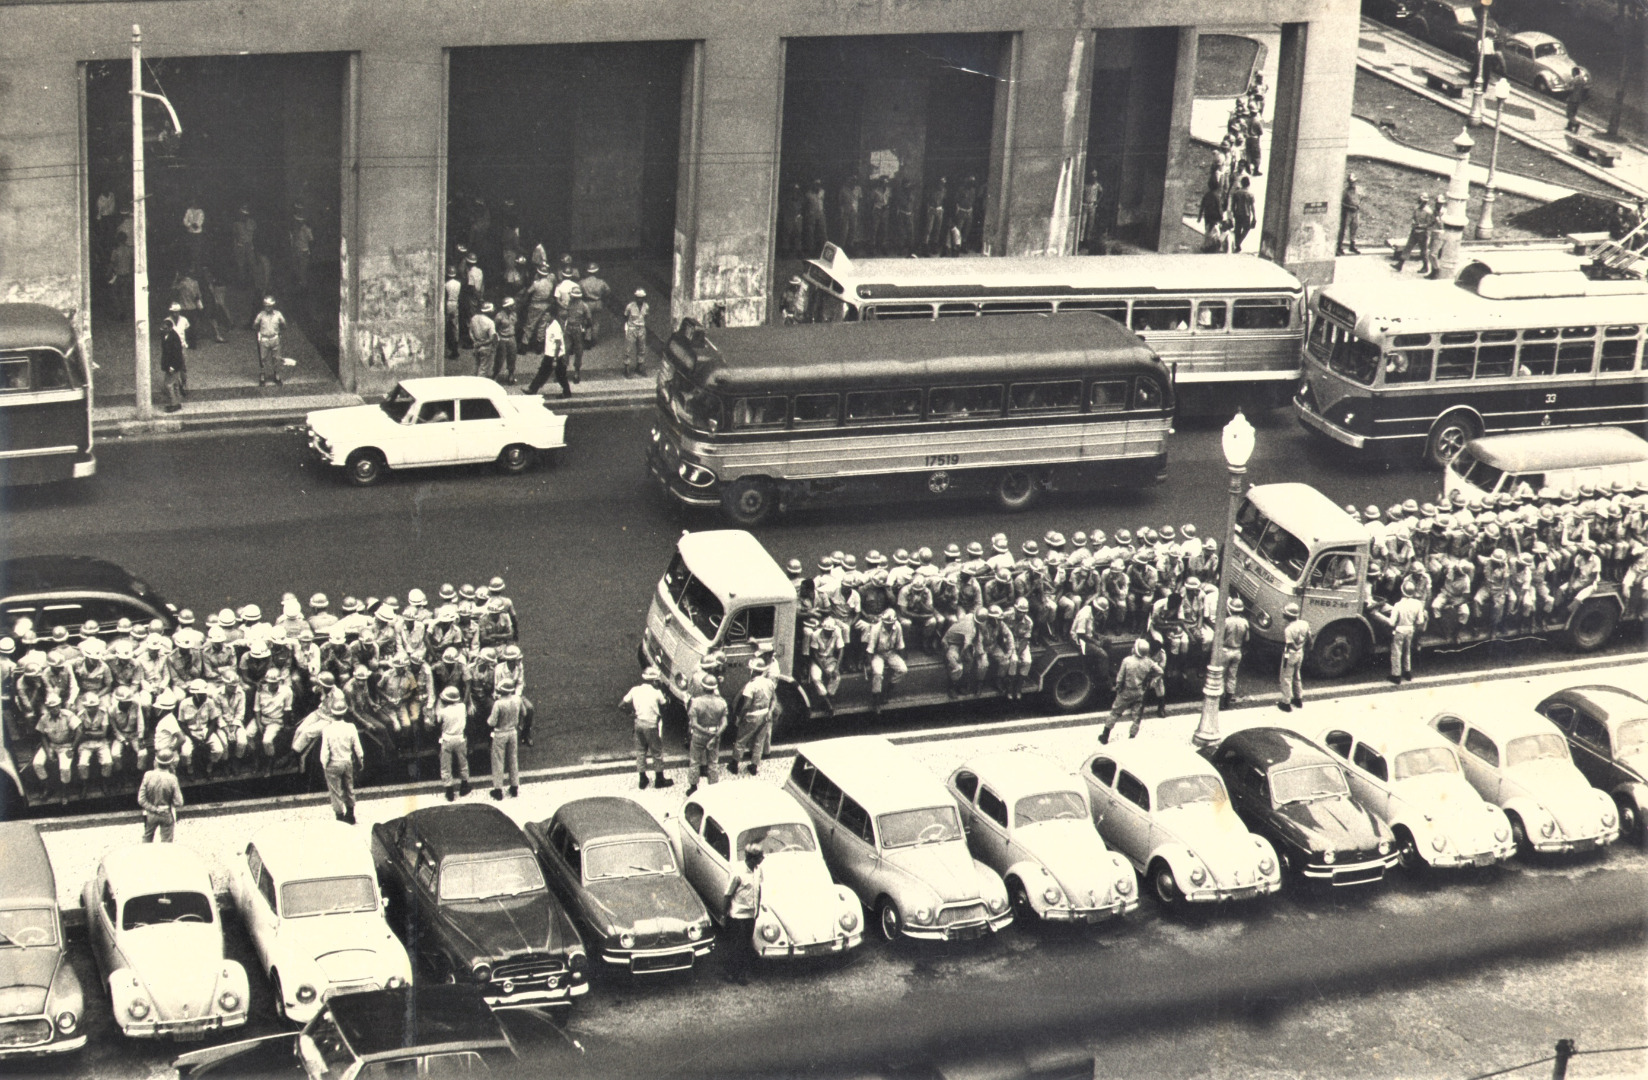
column 935, row 461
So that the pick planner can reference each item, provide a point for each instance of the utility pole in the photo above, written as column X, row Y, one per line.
column 1565, row 1049
column 140, row 229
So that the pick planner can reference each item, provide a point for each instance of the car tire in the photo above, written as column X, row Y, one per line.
column 1519, row 835
column 889, row 920
column 1016, row 490
column 1164, row 887
column 280, row 995
column 1449, row 435
column 516, row 458
column 1407, row 852
column 749, row 501
column 1543, row 85
column 1630, row 822
column 1019, row 897
column 365, row 467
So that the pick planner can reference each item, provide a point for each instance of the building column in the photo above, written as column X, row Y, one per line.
column 395, row 268
column 1039, row 156
column 44, row 202
column 1316, row 64
column 731, row 108
column 1180, row 186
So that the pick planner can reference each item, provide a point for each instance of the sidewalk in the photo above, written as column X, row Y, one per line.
column 219, row 832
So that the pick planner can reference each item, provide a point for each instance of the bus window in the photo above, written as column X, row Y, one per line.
column 1262, row 315
column 759, row 412
column 51, row 372
column 959, row 402
column 1115, row 309
column 899, row 311
column 1147, row 393
column 947, row 311
column 1107, row 397
column 1015, row 307
column 1536, row 357
column 1210, row 315
column 1161, row 315
column 1454, row 363
column 1408, row 341
column 884, row 405
column 1409, row 365
column 1355, row 360
column 14, row 373
column 1575, row 358
column 1046, row 397
column 817, row 408
column 1495, row 361
column 1619, row 354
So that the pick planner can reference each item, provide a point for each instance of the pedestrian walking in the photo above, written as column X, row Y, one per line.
column 554, row 361
column 743, row 900
column 645, row 705
column 505, row 723
column 575, row 323
column 757, row 704
column 1243, row 214
column 341, row 757
column 635, row 333
column 706, row 720
column 171, row 364
column 194, row 232
column 1418, row 236
column 186, row 299
column 1134, row 676
column 268, row 325
column 1434, row 238
column 1296, row 639
column 1579, row 92
column 160, row 797
column 1090, row 234
column 1212, row 210
column 452, row 720
column 1350, row 213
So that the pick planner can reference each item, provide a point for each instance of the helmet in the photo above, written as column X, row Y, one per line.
column 1192, row 583
column 1371, row 513
column 271, row 676
column 1054, row 540
column 1141, row 647
column 260, row 649
column 1021, row 605
column 825, row 562
column 995, row 611
column 123, row 693
column 1236, row 606
column 227, row 618
column 496, row 584
column 90, row 697
column 1168, row 533
column 416, row 598
column 999, row 542
column 793, row 568
column 199, row 686
column 466, row 591
column 511, row 652
column 652, row 674
column 889, row 615
column 975, row 550
column 1410, row 506
column 1124, row 538
column 506, row 683
column 1078, row 539
column 902, row 557
column 165, row 758
column 449, row 655
column 875, row 558
column 61, row 633
column 706, row 681
column 450, row 695
column 448, row 593
column 251, row 613
column 952, row 552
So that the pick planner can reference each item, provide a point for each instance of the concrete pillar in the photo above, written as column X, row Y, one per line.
column 1316, row 64
column 1046, row 145
column 397, row 250
column 1181, row 184
column 732, row 102
column 43, row 201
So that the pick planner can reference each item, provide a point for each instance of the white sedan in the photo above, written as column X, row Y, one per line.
column 308, row 895
column 450, row 420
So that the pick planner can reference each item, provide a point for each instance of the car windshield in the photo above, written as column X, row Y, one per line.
column 23, row 928
column 396, row 404
column 1306, row 783
column 1426, row 762
column 1546, row 747
column 484, row 879
column 1632, row 737
column 328, row 896
column 166, row 907
column 1049, row 806
column 1186, row 790
column 628, row 858
column 910, row 827
column 788, row 836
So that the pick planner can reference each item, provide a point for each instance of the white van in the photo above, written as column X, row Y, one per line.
column 1556, row 459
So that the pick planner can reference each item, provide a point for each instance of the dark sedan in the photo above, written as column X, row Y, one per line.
column 1607, row 731
column 71, row 590
column 613, row 866
column 1448, row 24
column 466, row 895
column 1292, row 792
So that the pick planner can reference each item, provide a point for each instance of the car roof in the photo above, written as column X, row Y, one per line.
column 1610, row 704
column 297, row 850
column 733, row 564
column 140, row 867
column 1268, row 747
column 28, row 875
column 1307, row 514
column 1389, row 735
column 606, row 815
column 1549, row 450
column 393, row 1022
column 29, row 326
column 741, row 803
column 443, row 386
column 879, row 775
column 1152, row 761
column 1503, row 720
column 467, row 829
column 1535, row 37
column 48, row 573
column 1017, row 773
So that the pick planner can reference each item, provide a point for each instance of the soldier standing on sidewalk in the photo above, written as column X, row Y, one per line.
column 160, row 798
column 645, row 705
column 1296, row 637
column 340, row 756
column 1350, row 213
column 1236, row 632
column 1133, row 677
column 706, row 720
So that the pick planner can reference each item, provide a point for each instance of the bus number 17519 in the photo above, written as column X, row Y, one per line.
column 937, row 461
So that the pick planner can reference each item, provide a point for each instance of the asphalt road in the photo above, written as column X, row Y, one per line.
column 241, row 518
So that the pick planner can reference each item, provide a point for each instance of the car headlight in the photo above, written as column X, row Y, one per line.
column 1267, row 866
column 998, row 904
column 1051, row 895
column 849, row 921
column 1330, row 857
column 1547, row 828
column 394, row 982
column 579, row 964
column 1501, row 833
column 138, row 1009
column 1124, row 885
column 1197, row 876
column 228, row 1001
column 306, row 994
column 66, row 1021
column 1607, row 819
column 626, row 941
column 769, row 932
column 1384, row 847
column 923, row 915
column 1438, row 842
column 694, row 932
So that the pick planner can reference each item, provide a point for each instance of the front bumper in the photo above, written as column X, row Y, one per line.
column 967, row 931
column 791, row 951
column 1358, row 873
column 678, row 489
column 321, row 448
column 1096, row 914
column 52, row 1044
column 1314, row 421
column 1237, row 892
column 532, row 999
column 197, row 1028
column 1563, row 844
column 1453, row 858
column 658, row 961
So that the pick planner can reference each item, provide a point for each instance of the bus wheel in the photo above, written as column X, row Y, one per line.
column 750, row 501
column 1593, row 624
column 1449, row 436
column 1016, row 490
column 1338, row 650
column 1069, row 687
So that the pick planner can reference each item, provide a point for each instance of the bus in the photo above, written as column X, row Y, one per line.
column 1221, row 323
column 45, row 398
column 761, row 418
column 1520, row 340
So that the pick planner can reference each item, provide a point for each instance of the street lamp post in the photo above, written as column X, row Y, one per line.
column 1237, row 443
column 1454, row 217
column 1481, row 63
column 1485, row 227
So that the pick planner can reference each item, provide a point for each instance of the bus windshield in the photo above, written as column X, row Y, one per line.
column 1285, row 553
column 1353, row 358
column 693, row 407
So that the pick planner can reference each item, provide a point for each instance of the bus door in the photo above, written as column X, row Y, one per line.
column 43, row 416
column 1333, row 585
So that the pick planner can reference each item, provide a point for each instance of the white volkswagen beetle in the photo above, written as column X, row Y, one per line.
column 308, row 895
column 803, row 911
column 1519, row 761
column 1029, row 821
column 1166, row 809
column 153, row 923
column 448, row 420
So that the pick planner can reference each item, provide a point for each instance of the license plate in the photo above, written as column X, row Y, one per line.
column 196, row 1029
column 817, row 948
column 1483, row 860
column 967, row 933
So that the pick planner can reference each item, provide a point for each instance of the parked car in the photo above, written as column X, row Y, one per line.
column 1294, row 794
column 1541, row 61
column 1029, row 821
column 803, row 911
column 445, row 420
column 1390, row 12
column 1165, row 808
column 1411, row 779
column 436, row 1031
column 308, row 896
column 69, row 590
column 1450, row 25
column 1607, row 733
column 152, row 919
column 891, row 833
column 464, row 888
column 41, row 1005
column 613, row 867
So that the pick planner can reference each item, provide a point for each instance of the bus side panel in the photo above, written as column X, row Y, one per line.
column 43, row 437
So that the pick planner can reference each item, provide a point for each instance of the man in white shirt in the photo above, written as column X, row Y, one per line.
column 645, row 704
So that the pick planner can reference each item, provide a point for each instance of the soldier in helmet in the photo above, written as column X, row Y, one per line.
column 160, row 797
column 884, row 645
column 504, row 719
column 753, row 713
column 645, row 705
column 706, row 720
column 1236, row 632
column 129, row 730
column 1407, row 619
column 1296, row 639
column 1134, row 677
column 59, row 729
column 96, row 742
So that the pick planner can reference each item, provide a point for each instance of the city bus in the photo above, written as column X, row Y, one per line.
column 1520, row 340
column 1221, row 323
column 45, row 398
column 766, row 417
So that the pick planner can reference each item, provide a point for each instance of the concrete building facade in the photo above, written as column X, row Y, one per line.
column 1055, row 73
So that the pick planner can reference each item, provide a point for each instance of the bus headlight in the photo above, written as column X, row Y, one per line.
column 696, row 475
column 1261, row 618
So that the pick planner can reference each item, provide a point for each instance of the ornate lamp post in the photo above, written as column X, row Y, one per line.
column 1500, row 90
column 1237, row 442
column 1481, row 61
column 1454, row 218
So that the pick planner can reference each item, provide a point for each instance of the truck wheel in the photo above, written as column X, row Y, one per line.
column 1338, row 649
column 1592, row 625
column 365, row 467
column 1069, row 688
column 750, row 501
column 1016, row 490
column 1449, row 436
column 516, row 458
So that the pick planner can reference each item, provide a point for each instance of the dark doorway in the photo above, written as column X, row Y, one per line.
column 1128, row 129
column 877, row 121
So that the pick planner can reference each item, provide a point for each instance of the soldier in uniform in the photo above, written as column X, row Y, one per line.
column 129, row 734
column 1407, row 620
column 272, row 712
column 884, row 645
column 452, row 721
column 826, row 640
column 198, row 716
column 706, row 720
column 1134, row 677
column 997, row 642
column 1087, row 631
column 964, row 656
column 159, row 797
column 59, row 731
column 96, row 741
column 645, row 705
column 754, row 712
column 504, row 720
column 1296, row 638
column 1236, row 631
